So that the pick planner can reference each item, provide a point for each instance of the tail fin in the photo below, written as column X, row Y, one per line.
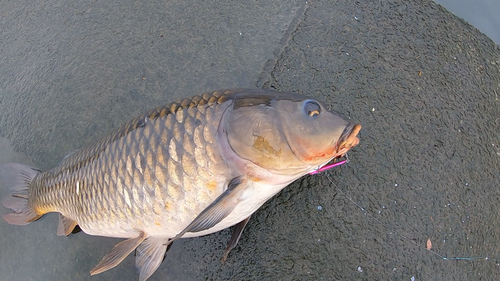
column 17, row 177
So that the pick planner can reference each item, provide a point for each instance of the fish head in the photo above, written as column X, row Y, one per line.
column 287, row 134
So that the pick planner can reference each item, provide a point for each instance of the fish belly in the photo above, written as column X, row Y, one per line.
column 255, row 195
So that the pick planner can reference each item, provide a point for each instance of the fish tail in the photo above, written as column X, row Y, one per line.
column 17, row 177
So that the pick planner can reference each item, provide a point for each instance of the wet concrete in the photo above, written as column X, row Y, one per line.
column 423, row 83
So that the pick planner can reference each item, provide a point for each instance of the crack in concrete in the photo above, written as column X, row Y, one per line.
column 265, row 76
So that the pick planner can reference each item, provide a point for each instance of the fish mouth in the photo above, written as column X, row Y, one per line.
column 347, row 139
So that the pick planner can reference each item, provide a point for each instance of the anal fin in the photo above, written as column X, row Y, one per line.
column 119, row 252
column 65, row 225
column 149, row 256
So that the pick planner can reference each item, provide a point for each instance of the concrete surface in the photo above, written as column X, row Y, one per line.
column 422, row 82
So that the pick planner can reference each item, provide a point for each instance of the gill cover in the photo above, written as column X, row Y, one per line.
column 282, row 132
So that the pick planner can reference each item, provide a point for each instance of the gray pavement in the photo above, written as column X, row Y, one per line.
column 422, row 82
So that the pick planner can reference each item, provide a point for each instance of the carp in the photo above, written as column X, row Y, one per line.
column 185, row 169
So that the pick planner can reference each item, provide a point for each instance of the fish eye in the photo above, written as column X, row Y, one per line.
column 312, row 108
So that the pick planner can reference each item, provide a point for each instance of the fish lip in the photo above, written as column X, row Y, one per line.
column 348, row 139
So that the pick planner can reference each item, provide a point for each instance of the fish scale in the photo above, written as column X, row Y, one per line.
column 143, row 140
column 186, row 169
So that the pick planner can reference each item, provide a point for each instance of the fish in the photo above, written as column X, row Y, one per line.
column 185, row 169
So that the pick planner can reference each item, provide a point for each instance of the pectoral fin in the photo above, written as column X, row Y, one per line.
column 119, row 252
column 218, row 210
column 237, row 230
column 65, row 226
column 149, row 256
